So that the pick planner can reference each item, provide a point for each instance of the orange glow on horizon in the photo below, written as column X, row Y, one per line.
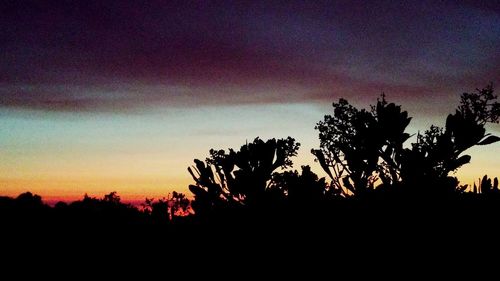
column 70, row 189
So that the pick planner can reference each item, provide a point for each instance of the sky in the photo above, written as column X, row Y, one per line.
column 101, row 96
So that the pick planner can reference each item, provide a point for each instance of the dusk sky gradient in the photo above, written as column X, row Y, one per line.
column 101, row 96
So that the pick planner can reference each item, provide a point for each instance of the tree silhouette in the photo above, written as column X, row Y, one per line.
column 358, row 147
column 179, row 204
column 240, row 178
column 158, row 210
column 112, row 198
column 30, row 200
column 107, row 210
column 486, row 186
column 438, row 152
column 304, row 188
column 166, row 209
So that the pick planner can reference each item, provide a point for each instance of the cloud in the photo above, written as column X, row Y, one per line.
column 120, row 56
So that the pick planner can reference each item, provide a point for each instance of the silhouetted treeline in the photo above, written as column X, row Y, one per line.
column 29, row 209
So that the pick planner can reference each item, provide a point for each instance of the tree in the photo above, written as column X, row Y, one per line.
column 485, row 186
column 166, row 209
column 239, row 178
column 305, row 188
column 439, row 151
column 359, row 147
column 112, row 198
column 179, row 204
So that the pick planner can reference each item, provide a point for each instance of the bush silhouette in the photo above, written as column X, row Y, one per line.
column 240, row 178
column 359, row 147
column 486, row 186
column 166, row 209
column 301, row 189
column 439, row 151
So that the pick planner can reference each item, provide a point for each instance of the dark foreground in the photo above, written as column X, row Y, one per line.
column 354, row 238
column 344, row 223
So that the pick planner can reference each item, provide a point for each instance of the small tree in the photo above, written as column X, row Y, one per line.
column 439, row 151
column 304, row 188
column 166, row 209
column 358, row 147
column 112, row 198
column 239, row 178
column 179, row 204
column 486, row 186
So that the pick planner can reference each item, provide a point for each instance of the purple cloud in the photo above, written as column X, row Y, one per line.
column 120, row 55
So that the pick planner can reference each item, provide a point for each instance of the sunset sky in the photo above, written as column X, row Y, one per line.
column 100, row 96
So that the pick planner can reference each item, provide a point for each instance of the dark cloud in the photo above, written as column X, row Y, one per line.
column 125, row 55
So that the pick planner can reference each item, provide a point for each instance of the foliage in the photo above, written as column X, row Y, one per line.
column 300, row 188
column 486, row 186
column 439, row 151
column 166, row 209
column 240, row 177
column 358, row 147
